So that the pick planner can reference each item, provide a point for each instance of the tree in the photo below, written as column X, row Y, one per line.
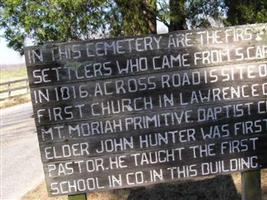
column 139, row 16
column 63, row 20
column 188, row 14
column 205, row 13
column 53, row 20
column 246, row 11
column 177, row 15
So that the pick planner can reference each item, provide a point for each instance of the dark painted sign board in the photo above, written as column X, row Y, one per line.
column 129, row 112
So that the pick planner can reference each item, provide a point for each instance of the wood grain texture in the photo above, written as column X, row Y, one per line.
column 137, row 111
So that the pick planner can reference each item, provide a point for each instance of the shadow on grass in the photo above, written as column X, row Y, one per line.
column 219, row 188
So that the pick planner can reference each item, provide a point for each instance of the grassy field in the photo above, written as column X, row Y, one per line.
column 10, row 73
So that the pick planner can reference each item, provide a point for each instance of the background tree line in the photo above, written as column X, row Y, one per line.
column 63, row 20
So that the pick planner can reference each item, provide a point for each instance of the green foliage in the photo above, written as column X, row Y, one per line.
column 178, row 15
column 201, row 12
column 63, row 20
column 139, row 16
column 206, row 13
column 246, row 11
column 52, row 20
column 184, row 14
column 163, row 12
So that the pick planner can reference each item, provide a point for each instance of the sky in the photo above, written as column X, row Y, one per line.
column 8, row 55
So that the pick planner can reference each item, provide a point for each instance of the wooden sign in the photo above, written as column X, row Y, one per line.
column 129, row 112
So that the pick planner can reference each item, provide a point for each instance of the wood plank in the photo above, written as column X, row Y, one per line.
column 158, row 83
column 147, row 63
column 15, row 81
column 14, row 89
column 212, row 38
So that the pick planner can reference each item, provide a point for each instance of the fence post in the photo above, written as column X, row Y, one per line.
column 9, row 91
column 251, row 185
column 77, row 197
column 8, row 88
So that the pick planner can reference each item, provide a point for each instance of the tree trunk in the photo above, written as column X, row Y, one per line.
column 139, row 16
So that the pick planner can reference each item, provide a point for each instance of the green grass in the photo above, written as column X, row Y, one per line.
column 13, row 73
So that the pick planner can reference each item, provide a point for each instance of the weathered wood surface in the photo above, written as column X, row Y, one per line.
column 107, row 49
column 182, row 81
column 137, row 111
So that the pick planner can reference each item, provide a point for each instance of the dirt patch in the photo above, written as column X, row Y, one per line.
column 220, row 188
column 40, row 193
column 14, row 101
